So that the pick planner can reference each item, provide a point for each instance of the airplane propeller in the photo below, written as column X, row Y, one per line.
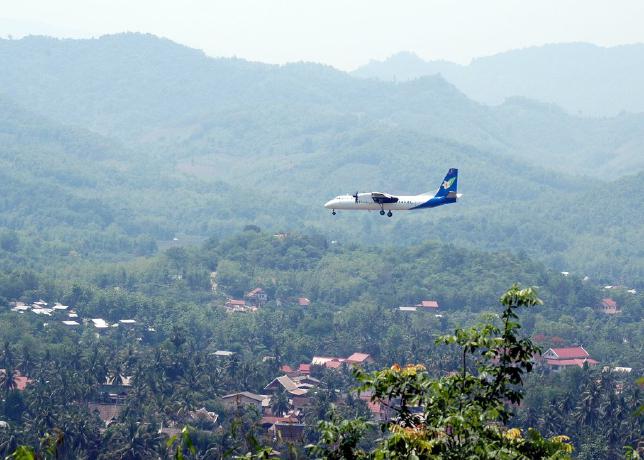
column 356, row 197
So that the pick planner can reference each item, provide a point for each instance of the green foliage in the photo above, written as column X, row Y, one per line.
column 456, row 416
column 263, row 146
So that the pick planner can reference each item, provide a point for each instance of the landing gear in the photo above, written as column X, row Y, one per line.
column 333, row 212
column 382, row 212
column 389, row 214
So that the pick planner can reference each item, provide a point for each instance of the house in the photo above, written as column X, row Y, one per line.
column 359, row 359
column 328, row 362
column 235, row 305
column 115, row 390
column 609, row 306
column 20, row 306
column 335, row 363
column 566, row 353
column 288, row 370
column 427, row 304
column 222, row 353
column 127, row 322
column 121, row 381
column 268, row 421
column 70, row 323
column 559, row 358
column 288, row 432
column 244, row 398
column 304, row 369
column 300, row 402
column 407, row 309
column 203, row 418
column 283, row 382
column 108, row 413
column 20, row 380
column 303, row 302
column 378, row 409
column 257, row 297
column 306, row 380
column 100, row 323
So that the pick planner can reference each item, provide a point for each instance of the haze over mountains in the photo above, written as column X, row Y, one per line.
column 582, row 78
column 158, row 139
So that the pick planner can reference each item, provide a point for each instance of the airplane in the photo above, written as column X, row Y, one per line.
column 373, row 201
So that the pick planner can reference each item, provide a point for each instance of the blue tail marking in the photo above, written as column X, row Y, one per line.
column 446, row 193
column 449, row 184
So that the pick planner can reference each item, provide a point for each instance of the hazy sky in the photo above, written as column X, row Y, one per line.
column 342, row 33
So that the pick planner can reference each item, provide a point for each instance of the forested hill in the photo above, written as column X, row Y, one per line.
column 594, row 80
column 113, row 144
column 142, row 88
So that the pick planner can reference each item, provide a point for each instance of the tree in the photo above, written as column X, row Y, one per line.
column 279, row 403
column 9, row 241
column 8, row 380
column 463, row 415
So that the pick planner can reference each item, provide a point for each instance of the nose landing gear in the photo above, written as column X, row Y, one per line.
column 333, row 212
column 389, row 214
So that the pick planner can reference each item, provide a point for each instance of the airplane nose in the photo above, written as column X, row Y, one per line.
column 328, row 204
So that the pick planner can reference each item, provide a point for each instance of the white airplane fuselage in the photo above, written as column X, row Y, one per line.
column 385, row 202
column 365, row 202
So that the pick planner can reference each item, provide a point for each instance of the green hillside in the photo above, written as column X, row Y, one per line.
column 145, row 89
column 157, row 140
column 146, row 189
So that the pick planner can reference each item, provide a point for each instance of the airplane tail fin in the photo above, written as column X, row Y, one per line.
column 448, row 187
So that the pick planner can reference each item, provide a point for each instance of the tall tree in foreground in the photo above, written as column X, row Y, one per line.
column 463, row 415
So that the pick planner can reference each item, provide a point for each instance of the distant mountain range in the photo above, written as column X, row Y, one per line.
column 132, row 135
column 139, row 88
column 582, row 78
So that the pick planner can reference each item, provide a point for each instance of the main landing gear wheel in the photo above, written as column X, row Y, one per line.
column 333, row 212
column 389, row 214
column 382, row 213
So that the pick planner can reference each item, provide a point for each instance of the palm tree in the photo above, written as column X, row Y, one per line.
column 135, row 441
column 7, row 355
column 279, row 404
column 8, row 379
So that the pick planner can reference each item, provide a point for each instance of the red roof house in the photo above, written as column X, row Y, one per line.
column 428, row 304
column 303, row 302
column 359, row 358
column 333, row 364
column 304, row 369
column 566, row 353
column 234, row 304
column 557, row 364
column 559, row 358
column 609, row 307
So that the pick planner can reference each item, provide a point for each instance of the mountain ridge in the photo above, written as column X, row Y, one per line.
column 580, row 77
